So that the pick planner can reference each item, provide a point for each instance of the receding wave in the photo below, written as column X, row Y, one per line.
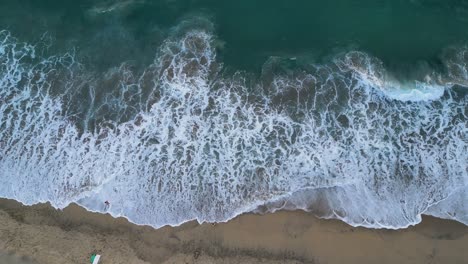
column 184, row 139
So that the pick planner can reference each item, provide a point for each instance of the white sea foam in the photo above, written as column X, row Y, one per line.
column 372, row 72
column 417, row 91
column 207, row 146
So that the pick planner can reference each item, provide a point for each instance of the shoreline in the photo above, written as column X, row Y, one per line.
column 71, row 235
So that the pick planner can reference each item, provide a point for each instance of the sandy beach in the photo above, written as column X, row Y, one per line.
column 41, row 234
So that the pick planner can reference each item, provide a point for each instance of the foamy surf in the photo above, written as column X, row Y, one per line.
column 182, row 140
column 372, row 72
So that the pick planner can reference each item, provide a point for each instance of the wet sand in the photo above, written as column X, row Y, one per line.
column 41, row 234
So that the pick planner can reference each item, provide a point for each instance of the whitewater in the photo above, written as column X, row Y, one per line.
column 184, row 139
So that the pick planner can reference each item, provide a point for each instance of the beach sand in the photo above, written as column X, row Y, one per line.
column 41, row 234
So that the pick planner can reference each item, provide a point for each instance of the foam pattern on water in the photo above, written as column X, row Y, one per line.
column 184, row 140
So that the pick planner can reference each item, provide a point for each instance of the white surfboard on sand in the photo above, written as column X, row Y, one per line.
column 96, row 259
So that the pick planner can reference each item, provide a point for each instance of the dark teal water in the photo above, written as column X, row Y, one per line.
column 402, row 33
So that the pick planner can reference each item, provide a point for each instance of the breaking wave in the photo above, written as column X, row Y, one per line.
column 185, row 139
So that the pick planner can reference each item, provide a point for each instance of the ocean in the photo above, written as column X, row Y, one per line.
column 180, row 110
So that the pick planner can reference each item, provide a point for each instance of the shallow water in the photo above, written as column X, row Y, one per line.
column 182, row 110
